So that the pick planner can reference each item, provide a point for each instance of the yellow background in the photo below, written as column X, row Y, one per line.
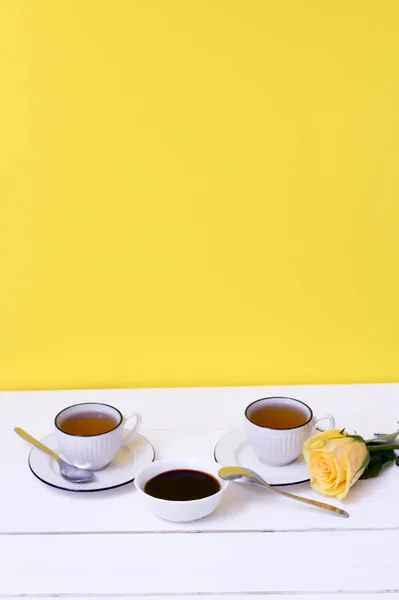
column 198, row 192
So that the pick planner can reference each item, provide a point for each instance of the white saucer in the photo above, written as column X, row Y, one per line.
column 128, row 462
column 233, row 449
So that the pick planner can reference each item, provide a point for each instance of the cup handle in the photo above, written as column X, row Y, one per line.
column 325, row 416
column 135, row 429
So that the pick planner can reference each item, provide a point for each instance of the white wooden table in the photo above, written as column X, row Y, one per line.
column 105, row 545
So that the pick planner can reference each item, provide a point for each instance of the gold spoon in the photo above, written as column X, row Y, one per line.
column 68, row 471
column 248, row 476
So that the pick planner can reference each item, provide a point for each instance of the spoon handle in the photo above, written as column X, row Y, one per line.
column 28, row 438
column 323, row 505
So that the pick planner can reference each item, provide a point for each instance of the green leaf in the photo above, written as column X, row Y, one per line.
column 384, row 438
column 377, row 462
column 357, row 437
column 397, row 461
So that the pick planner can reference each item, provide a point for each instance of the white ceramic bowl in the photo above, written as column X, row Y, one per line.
column 186, row 510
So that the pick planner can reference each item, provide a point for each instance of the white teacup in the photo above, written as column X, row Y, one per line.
column 273, row 444
column 92, row 451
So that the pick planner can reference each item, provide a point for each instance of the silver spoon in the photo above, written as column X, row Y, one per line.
column 68, row 471
column 248, row 476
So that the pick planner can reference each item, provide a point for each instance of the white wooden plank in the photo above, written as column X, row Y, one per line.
column 280, row 563
column 384, row 595
column 30, row 506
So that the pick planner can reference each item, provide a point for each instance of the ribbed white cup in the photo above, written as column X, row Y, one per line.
column 281, row 446
column 93, row 452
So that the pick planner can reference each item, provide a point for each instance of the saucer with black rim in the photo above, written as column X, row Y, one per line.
column 128, row 462
column 233, row 449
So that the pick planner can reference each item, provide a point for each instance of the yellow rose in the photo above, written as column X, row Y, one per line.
column 335, row 462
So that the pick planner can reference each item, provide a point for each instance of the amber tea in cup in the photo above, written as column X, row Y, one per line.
column 278, row 416
column 88, row 423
